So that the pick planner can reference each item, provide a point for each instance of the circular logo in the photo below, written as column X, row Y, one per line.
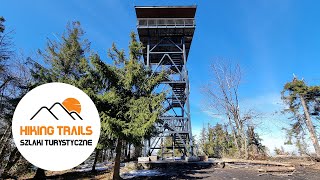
column 56, row 126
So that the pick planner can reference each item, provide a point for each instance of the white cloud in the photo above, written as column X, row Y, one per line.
column 265, row 103
column 214, row 115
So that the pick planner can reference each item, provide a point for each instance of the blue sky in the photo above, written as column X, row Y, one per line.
column 271, row 40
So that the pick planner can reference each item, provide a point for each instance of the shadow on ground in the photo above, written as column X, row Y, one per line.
column 77, row 175
column 181, row 172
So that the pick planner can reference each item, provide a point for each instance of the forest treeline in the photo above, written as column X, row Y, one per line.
column 237, row 136
column 123, row 92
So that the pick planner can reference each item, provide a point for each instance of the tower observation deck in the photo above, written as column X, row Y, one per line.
column 167, row 32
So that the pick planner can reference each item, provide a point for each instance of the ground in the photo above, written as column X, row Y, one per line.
column 303, row 170
column 234, row 174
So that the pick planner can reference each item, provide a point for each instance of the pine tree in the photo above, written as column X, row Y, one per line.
column 301, row 97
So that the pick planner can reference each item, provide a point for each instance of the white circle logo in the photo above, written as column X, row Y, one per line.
column 56, row 126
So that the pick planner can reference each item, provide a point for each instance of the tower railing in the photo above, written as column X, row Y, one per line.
column 165, row 22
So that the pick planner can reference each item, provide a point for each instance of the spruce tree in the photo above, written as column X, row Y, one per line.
column 123, row 92
column 65, row 61
column 131, row 106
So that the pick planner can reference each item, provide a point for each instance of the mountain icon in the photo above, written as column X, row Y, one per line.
column 57, row 111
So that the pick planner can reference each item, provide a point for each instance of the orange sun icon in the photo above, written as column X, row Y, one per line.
column 72, row 104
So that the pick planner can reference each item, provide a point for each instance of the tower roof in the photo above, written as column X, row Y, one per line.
column 165, row 11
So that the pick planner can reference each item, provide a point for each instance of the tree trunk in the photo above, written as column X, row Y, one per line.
column 246, row 148
column 244, row 141
column 129, row 152
column 116, row 168
column 95, row 160
column 125, row 151
column 4, row 145
column 241, row 133
column 233, row 132
column 5, row 139
column 310, row 126
column 13, row 158
column 40, row 174
column 103, row 155
column 111, row 155
column 4, row 134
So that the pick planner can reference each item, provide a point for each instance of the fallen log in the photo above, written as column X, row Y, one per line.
column 257, row 162
column 277, row 174
column 306, row 164
column 276, row 169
